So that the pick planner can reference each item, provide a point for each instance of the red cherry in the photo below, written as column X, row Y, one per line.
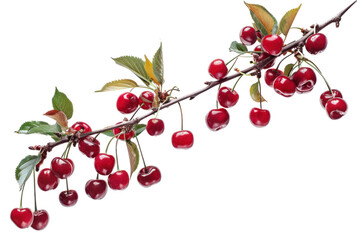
column 336, row 108
column 22, row 217
column 217, row 119
column 149, row 176
column 68, row 198
column 218, row 69
column 259, row 117
column 182, row 139
column 248, row 36
column 258, row 57
column 118, row 180
column 270, row 76
column 41, row 220
column 89, row 146
column 47, row 180
column 146, row 99
column 316, row 43
column 155, row 127
column 284, row 86
column 258, row 35
column 127, row 103
column 226, row 97
column 62, row 168
column 81, row 126
column 326, row 96
column 96, row 189
column 128, row 135
column 304, row 79
column 104, row 163
column 272, row 44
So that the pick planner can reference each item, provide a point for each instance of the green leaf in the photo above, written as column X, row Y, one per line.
column 288, row 69
column 61, row 102
column 133, row 156
column 287, row 20
column 264, row 20
column 255, row 94
column 136, row 65
column 25, row 168
column 138, row 129
column 109, row 133
column 238, row 47
column 118, row 85
column 27, row 126
column 40, row 128
column 158, row 65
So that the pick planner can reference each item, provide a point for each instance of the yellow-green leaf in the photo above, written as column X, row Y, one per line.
column 149, row 70
column 118, row 85
column 265, row 22
column 133, row 156
column 255, row 94
column 287, row 20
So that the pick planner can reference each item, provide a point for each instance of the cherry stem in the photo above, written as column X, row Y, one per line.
column 66, row 149
column 233, row 88
column 236, row 58
column 217, row 101
column 182, row 118
column 313, row 65
column 67, row 185
column 22, row 193
column 259, row 84
column 96, row 136
column 116, row 152
column 283, row 60
column 142, row 156
column 97, row 176
column 135, row 112
column 35, row 203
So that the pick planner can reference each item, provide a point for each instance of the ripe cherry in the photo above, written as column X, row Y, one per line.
column 104, row 163
column 118, row 180
column 96, row 189
column 155, row 127
column 41, row 220
column 149, row 176
column 304, row 79
column 284, row 86
column 62, row 168
column 217, row 119
column 258, row 57
column 336, row 108
column 89, row 146
column 316, row 43
column 68, row 198
column 182, row 139
column 127, row 103
column 248, row 36
column 218, row 69
column 326, row 96
column 272, row 44
column 123, row 136
column 81, row 126
column 146, row 99
column 271, row 74
column 22, row 217
column 259, row 117
column 227, row 98
column 47, row 180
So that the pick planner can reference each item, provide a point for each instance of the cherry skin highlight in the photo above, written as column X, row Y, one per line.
column 316, row 43
column 81, row 126
column 272, row 44
column 146, row 99
column 304, row 79
column 62, row 168
column 183, row 139
column 47, row 180
column 217, row 119
column 104, row 163
column 218, row 69
column 127, row 103
column 248, row 36
column 155, row 127
column 118, row 180
column 259, row 117
column 284, row 86
column 270, row 76
column 326, row 96
column 336, row 108
column 89, row 146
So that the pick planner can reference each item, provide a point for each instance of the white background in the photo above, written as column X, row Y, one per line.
column 298, row 178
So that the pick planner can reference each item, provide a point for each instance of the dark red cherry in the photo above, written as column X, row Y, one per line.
column 182, row 139
column 127, row 103
column 81, row 126
column 22, row 217
column 118, row 180
column 149, row 176
column 155, row 127
column 258, row 35
column 304, row 79
column 62, row 168
column 89, row 146
column 126, row 136
column 271, row 74
column 218, row 69
column 248, row 36
column 336, row 108
column 316, row 43
column 227, row 98
column 259, row 117
column 272, row 44
column 258, row 57
column 104, row 163
column 68, row 198
column 146, row 99
column 41, row 220
column 326, row 96
column 47, row 180
column 96, row 189
column 284, row 86
column 217, row 119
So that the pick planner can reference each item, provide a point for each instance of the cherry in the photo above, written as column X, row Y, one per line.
column 272, row 44
column 258, row 35
column 155, row 127
column 227, row 98
column 259, row 117
column 62, row 168
column 305, row 79
column 271, row 74
column 316, row 43
column 89, row 146
column 284, row 86
column 336, row 108
column 22, row 217
column 128, row 135
column 47, row 180
column 248, row 36
column 68, row 198
column 259, row 57
column 149, row 176
column 104, row 163
column 146, row 99
column 182, row 139
column 118, row 180
column 96, row 189
column 218, row 69
column 81, row 126
column 127, row 103
column 326, row 96
column 41, row 220
column 217, row 119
